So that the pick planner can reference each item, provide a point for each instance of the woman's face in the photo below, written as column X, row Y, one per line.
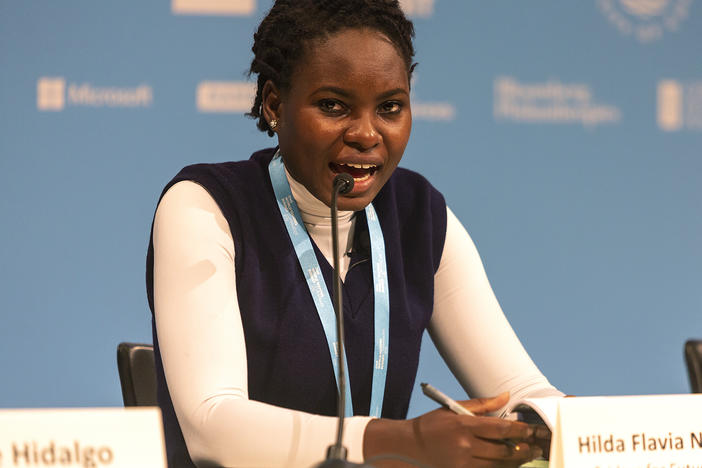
column 347, row 110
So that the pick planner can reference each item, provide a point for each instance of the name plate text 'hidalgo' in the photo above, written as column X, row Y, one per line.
column 663, row 431
column 86, row 438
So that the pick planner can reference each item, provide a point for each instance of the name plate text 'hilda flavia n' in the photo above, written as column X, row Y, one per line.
column 653, row 431
column 86, row 438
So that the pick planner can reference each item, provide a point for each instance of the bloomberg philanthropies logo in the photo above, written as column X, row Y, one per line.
column 54, row 94
column 550, row 102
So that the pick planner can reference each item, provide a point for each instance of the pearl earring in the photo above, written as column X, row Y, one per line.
column 273, row 124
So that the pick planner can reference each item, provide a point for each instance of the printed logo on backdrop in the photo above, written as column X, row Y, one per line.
column 646, row 20
column 418, row 8
column 234, row 97
column 213, row 7
column 441, row 111
column 225, row 96
column 51, row 94
column 679, row 105
column 550, row 102
column 54, row 94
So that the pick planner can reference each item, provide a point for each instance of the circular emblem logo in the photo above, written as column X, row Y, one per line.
column 645, row 20
column 645, row 8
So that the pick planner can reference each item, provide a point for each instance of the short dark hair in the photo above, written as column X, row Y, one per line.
column 280, row 40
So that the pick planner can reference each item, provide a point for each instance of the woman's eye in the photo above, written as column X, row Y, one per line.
column 390, row 107
column 330, row 106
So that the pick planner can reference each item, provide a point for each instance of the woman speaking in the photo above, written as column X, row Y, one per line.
column 239, row 275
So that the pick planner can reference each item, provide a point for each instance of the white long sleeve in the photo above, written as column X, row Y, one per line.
column 470, row 330
column 204, row 355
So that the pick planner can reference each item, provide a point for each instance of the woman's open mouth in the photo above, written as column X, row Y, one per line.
column 360, row 172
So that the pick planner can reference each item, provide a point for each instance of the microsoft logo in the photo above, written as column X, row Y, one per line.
column 54, row 94
column 51, row 94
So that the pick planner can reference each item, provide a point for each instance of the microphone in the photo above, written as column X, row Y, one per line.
column 336, row 454
column 343, row 184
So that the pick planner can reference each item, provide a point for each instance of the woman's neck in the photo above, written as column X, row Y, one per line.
column 317, row 218
column 313, row 210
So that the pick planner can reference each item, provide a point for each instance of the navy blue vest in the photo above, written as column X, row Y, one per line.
column 287, row 353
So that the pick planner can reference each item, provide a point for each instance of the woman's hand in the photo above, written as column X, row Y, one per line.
column 442, row 438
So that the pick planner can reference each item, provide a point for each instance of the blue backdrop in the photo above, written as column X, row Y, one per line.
column 566, row 135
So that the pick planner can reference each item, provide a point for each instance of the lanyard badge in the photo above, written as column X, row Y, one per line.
column 320, row 294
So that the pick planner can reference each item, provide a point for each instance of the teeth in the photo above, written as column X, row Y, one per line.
column 360, row 166
column 359, row 179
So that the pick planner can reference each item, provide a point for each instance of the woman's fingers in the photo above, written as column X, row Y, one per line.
column 485, row 405
column 444, row 439
column 499, row 442
column 499, row 439
column 495, row 428
column 502, row 451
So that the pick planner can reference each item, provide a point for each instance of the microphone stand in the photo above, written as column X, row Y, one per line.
column 336, row 454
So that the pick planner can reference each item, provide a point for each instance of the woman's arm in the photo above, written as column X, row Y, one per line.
column 480, row 347
column 204, row 355
column 470, row 330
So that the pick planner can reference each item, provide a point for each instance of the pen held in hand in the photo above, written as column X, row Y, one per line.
column 444, row 400
column 449, row 403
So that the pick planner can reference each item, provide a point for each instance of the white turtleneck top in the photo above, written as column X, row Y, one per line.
column 204, row 355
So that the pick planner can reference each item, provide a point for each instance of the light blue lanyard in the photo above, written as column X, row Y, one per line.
column 315, row 282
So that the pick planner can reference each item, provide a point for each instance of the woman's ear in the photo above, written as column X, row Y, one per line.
column 271, row 104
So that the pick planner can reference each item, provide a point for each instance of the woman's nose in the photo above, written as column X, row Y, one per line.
column 362, row 133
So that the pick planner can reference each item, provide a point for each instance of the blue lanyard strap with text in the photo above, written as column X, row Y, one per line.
column 320, row 294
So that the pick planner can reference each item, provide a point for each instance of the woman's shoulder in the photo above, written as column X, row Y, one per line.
column 256, row 164
column 408, row 183
column 223, row 178
column 403, row 176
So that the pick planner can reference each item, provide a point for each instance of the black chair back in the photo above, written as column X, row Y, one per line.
column 693, row 358
column 137, row 374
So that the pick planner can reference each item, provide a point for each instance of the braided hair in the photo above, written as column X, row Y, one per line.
column 290, row 25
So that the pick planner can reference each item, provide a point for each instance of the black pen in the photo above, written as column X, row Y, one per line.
column 448, row 402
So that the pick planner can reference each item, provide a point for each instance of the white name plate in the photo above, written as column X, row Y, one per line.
column 85, row 438
column 662, row 431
